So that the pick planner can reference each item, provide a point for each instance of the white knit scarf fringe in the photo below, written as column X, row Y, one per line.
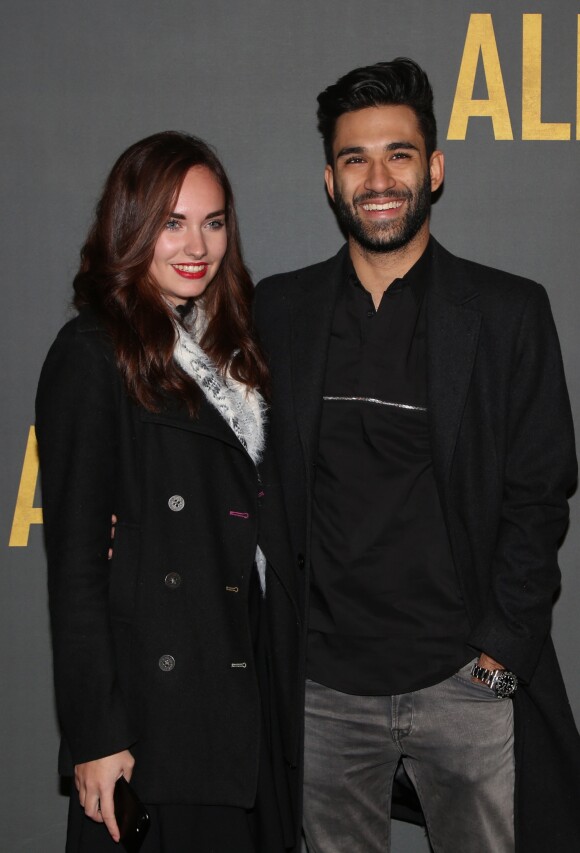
column 243, row 408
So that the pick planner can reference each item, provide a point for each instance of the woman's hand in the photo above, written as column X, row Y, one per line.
column 95, row 782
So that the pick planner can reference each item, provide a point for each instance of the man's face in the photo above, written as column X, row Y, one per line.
column 381, row 183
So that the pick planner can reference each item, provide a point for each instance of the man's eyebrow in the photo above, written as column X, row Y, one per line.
column 360, row 149
column 393, row 146
column 352, row 149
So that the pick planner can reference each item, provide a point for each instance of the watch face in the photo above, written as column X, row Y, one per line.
column 505, row 684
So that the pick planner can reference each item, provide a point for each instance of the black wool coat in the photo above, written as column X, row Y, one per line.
column 152, row 649
column 503, row 458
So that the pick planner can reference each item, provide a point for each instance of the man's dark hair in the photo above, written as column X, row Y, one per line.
column 400, row 82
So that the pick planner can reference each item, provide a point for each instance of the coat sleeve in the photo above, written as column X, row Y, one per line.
column 77, row 423
column 540, row 471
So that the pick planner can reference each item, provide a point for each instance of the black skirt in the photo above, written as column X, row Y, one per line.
column 174, row 829
column 200, row 828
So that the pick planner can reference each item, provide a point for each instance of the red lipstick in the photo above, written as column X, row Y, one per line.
column 193, row 270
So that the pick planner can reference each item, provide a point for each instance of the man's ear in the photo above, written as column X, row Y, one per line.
column 436, row 169
column 329, row 180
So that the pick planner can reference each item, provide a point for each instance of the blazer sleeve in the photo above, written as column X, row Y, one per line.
column 540, row 471
column 77, row 424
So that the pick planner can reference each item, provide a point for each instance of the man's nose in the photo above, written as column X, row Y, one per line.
column 379, row 177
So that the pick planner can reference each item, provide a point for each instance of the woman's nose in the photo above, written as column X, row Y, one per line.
column 195, row 246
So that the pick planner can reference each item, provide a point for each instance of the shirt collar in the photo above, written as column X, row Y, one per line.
column 416, row 278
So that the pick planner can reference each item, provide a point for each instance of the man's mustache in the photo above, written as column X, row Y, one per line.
column 389, row 194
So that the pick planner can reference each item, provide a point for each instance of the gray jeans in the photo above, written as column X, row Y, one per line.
column 456, row 742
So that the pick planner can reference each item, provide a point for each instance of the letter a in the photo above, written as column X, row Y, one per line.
column 25, row 513
column 480, row 38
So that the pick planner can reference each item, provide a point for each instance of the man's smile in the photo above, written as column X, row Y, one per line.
column 388, row 205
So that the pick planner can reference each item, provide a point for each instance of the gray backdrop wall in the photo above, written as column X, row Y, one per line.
column 82, row 80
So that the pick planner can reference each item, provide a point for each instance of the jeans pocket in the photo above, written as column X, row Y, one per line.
column 476, row 688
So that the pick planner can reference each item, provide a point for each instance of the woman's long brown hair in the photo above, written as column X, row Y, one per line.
column 114, row 277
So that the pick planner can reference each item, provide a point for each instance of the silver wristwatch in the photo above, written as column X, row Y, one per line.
column 503, row 682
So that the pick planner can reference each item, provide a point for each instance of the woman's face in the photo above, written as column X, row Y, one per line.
column 190, row 248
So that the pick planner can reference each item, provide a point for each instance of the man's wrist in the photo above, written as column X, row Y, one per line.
column 503, row 682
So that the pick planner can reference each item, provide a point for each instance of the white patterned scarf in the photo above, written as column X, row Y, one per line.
column 243, row 408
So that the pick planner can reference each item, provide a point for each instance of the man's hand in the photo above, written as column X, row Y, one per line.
column 487, row 663
column 95, row 782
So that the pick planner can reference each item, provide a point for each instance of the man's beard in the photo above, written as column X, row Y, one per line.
column 385, row 235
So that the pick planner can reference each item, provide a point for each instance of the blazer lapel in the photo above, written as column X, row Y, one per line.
column 453, row 325
column 312, row 313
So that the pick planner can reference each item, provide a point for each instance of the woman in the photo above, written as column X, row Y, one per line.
column 150, row 408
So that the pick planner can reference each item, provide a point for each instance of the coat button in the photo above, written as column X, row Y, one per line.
column 166, row 663
column 173, row 580
column 301, row 561
column 176, row 503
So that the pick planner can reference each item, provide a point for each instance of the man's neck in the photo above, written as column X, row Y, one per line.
column 376, row 271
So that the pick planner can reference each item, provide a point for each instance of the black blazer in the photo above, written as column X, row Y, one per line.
column 152, row 650
column 503, row 458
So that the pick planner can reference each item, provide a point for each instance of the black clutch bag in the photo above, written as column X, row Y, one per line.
column 131, row 816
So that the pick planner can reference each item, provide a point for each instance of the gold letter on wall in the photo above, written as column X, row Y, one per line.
column 532, row 125
column 25, row 513
column 480, row 38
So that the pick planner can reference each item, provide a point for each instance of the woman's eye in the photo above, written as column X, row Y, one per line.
column 172, row 224
column 216, row 224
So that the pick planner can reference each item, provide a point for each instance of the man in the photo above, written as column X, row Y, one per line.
column 422, row 429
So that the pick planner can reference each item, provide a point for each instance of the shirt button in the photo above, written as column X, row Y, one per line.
column 176, row 503
column 173, row 580
column 370, row 314
column 301, row 562
column 166, row 663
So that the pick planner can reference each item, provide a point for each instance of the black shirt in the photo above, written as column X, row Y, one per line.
column 386, row 614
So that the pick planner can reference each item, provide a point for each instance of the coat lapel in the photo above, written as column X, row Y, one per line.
column 312, row 313
column 453, row 319
column 453, row 325
column 208, row 422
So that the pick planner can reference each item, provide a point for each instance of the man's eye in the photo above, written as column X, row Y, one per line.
column 400, row 155
column 354, row 160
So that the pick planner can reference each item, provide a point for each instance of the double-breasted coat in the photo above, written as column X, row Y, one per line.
column 503, row 458
column 152, row 649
